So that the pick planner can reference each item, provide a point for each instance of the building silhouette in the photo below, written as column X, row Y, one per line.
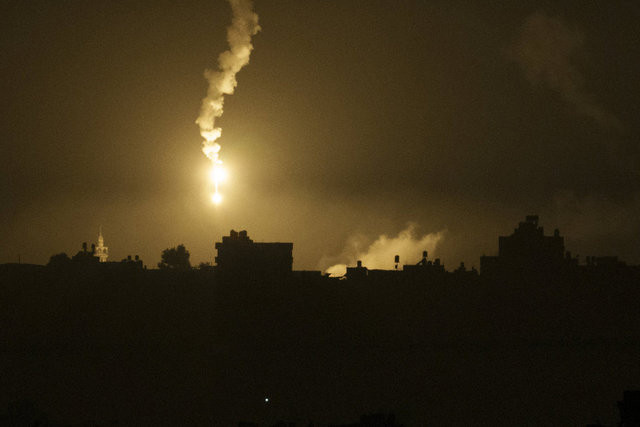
column 96, row 257
column 527, row 250
column 240, row 256
column 424, row 268
column 528, row 253
column 629, row 408
column 86, row 256
column 358, row 272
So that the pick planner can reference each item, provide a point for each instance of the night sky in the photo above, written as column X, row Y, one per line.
column 353, row 120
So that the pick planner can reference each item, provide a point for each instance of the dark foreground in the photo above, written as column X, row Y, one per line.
column 185, row 348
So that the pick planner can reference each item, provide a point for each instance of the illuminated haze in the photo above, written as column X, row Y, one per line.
column 381, row 253
column 353, row 119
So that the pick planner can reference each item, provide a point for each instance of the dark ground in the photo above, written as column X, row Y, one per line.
column 181, row 348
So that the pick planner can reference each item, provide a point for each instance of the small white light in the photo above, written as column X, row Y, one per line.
column 266, row 399
column 216, row 198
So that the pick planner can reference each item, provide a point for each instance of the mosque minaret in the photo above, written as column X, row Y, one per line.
column 101, row 251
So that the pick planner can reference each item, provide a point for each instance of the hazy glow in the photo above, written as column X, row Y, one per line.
column 380, row 254
column 337, row 270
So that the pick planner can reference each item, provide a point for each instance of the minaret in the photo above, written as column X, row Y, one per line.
column 102, row 251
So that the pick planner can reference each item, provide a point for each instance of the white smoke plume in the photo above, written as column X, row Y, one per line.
column 380, row 254
column 223, row 81
column 546, row 52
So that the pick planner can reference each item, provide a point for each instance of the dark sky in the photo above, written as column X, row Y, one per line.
column 354, row 118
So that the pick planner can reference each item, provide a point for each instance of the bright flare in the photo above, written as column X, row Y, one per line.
column 217, row 174
column 216, row 198
column 222, row 81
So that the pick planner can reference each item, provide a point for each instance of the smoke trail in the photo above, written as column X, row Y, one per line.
column 223, row 81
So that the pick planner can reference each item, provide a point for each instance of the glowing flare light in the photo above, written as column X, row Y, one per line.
column 222, row 81
column 217, row 174
column 216, row 198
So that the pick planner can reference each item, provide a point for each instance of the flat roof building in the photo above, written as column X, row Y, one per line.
column 240, row 256
column 527, row 249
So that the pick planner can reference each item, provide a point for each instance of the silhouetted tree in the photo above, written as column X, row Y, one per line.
column 60, row 260
column 175, row 258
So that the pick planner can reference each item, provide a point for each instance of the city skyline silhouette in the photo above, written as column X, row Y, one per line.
column 367, row 212
column 251, row 339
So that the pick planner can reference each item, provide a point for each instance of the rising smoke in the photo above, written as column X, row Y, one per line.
column 380, row 254
column 546, row 51
column 223, row 81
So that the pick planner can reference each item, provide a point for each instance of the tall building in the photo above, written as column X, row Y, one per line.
column 527, row 249
column 101, row 251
